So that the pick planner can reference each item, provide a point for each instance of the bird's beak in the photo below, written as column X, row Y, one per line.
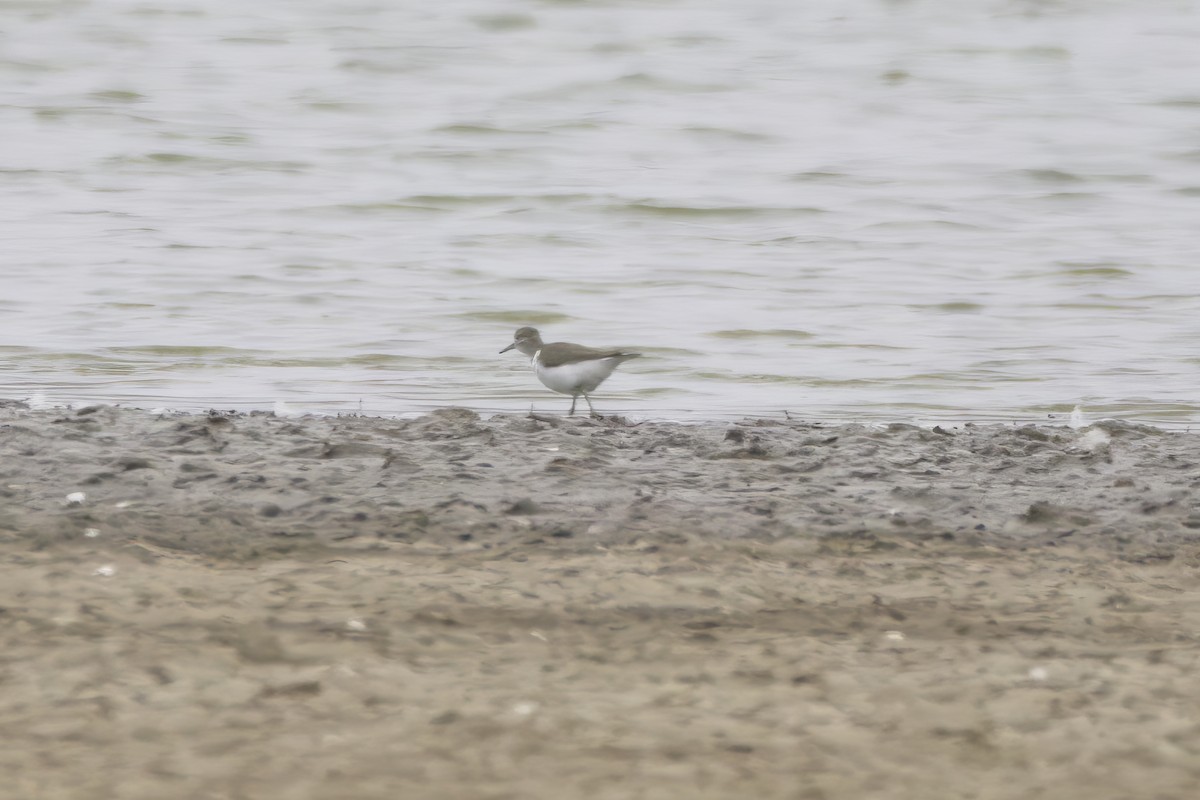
column 510, row 347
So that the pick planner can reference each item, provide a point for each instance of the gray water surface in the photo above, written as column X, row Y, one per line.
column 878, row 209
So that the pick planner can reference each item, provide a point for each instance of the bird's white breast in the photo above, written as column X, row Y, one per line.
column 573, row 379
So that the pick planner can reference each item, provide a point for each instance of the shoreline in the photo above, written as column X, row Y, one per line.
column 1050, row 416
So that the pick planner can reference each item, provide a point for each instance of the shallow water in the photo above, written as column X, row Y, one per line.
column 876, row 210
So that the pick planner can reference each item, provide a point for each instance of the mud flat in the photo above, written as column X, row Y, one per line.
column 244, row 606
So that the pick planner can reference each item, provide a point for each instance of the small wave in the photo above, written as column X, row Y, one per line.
column 951, row 307
column 516, row 317
column 1099, row 269
column 1049, row 175
column 206, row 162
column 702, row 212
column 778, row 333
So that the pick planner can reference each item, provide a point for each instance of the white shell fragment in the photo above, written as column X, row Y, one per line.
column 107, row 571
column 284, row 411
column 76, row 498
column 356, row 625
column 894, row 636
column 91, row 533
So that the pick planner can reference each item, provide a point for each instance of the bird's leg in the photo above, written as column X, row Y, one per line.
column 589, row 402
column 572, row 411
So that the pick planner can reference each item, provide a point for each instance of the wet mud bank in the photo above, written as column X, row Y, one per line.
column 250, row 485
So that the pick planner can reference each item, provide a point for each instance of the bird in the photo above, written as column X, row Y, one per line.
column 568, row 368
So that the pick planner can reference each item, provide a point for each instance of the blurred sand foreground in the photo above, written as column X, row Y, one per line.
column 253, row 607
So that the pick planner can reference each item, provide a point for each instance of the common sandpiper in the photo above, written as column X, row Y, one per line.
column 568, row 368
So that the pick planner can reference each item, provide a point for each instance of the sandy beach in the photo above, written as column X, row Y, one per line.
column 245, row 606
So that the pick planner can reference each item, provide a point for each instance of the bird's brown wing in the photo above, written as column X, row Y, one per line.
column 560, row 353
